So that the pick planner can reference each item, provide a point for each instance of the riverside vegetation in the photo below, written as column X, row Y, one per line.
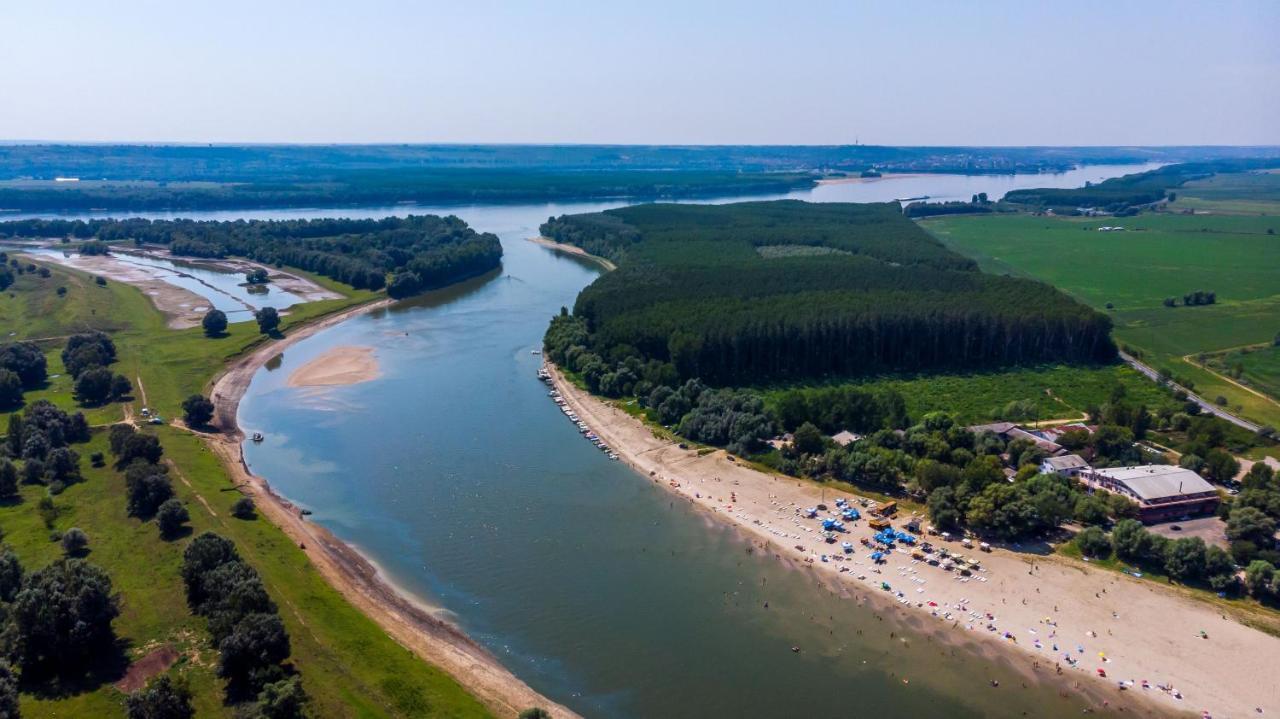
column 695, row 315
column 419, row 252
column 223, row 610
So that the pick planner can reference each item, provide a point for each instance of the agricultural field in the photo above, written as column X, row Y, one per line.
column 348, row 665
column 1059, row 392
column 1131, row 273
column 1256, row 193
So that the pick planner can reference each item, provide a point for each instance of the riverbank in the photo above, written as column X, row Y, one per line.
column 1035, row 610
column 404, row 619
column 573, row 250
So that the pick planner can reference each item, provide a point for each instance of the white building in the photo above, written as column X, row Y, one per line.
column 1068, row 465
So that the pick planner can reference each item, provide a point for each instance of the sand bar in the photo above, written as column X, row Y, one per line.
column 573, row 250
column 339, row 366
column 1020, row 606
column 401, row 616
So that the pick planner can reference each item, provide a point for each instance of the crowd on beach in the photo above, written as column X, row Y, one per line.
column 989, row 598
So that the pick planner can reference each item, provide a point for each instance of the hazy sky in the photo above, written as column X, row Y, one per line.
column 807, row 72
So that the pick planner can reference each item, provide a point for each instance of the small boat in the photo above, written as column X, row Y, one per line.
column 257, row 437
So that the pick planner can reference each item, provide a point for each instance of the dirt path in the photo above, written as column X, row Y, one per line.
column 1188, row 359
column 405, row 620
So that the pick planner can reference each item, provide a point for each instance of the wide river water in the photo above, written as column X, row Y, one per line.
column 456, row 474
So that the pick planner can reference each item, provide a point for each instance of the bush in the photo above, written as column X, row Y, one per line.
column 257, row 643
column 197, row 411
column 171, row 517
column 214, row 322
column 10, row 389
column 244, row 508
column 94, row 386
column 74, row 541
column 146, row 491
column 285, row 699
column 163, row 698
column 1093, row 542
column 268, row 320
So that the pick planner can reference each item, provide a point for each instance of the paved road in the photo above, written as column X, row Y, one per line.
column 1208, row 407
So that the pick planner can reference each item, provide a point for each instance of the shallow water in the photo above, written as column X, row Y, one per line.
column 226, row 291
column 460, row 478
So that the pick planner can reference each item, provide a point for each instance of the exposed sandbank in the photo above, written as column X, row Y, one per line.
column 405, row 619
column 573, row 250
column 339, row 366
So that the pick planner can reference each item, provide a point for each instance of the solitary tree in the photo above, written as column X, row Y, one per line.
column 197, row 411
column 214, row 322
column 268, row 320
column 171, row 517
column 243, row 508
column 94, row 385
column 74, row 541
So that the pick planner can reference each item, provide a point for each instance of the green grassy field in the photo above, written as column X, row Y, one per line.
column 1159, row 255
column 1059, row 392
column 1251, row 193
column 349, row 666
column 173, row 364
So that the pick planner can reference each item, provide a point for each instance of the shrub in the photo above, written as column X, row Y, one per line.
column 170, row 517
column 1093, row 542
column 244, row 508
column 163, row 698
column 74, row 541
column 214, row 322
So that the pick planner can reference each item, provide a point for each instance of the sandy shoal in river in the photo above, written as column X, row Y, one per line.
column 1131, row 628
column 343, row 365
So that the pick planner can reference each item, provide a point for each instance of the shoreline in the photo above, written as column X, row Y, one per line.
column 406, row 619
column 573, row 250
column 1133, row 629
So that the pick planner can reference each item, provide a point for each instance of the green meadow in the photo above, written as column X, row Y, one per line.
column 1129, row 274
column 1059, row 392
column 349, row 666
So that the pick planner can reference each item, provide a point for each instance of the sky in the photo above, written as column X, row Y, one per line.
column 1118, row 72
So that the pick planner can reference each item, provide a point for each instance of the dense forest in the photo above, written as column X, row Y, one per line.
column 695, row 290
column 1120, row 193
column 419, row 252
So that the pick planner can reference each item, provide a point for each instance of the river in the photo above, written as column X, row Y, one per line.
column 455, row 473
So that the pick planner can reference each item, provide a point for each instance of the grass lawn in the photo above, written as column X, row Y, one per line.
column 1060, row 392
column 349, row 666
column 1159, row 255
column 1255, row 193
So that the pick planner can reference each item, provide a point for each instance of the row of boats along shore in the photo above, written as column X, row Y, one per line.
column 545, row 376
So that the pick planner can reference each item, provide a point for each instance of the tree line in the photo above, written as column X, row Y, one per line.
column 419, row 252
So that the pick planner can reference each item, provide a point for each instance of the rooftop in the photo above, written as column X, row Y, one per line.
column 1157, row 481
column 1067, row 461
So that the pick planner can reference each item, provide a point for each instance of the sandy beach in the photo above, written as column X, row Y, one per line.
column 1059, row 618
column 573, row 250
column 405, row 619
column 339, row 366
